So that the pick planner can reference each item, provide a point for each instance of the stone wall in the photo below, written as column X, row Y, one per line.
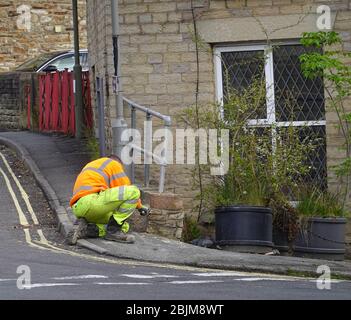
column 9, row 100
column 28, row 28
column 14, row 100
column 166, row 218
column 167, row 214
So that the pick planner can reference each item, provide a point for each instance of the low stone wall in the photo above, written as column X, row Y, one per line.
column 167, row 215
column 13, row 100
column 9, row 100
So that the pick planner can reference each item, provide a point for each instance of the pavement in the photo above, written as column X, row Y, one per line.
column 55, row 162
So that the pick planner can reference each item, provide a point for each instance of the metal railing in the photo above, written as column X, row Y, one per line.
column 161, row 161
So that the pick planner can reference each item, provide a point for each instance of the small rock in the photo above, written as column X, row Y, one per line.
column 203, row 242
column 275, row 252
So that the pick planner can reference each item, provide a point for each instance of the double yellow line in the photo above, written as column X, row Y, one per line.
column 43, row 243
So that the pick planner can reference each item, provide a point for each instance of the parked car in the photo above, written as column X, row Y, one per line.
column 54, row 61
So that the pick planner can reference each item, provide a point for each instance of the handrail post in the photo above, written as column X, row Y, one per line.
column 133, row 125
column 161, row 187
column 148, row 148
column 148, row 139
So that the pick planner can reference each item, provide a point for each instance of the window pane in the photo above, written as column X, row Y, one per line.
column 66, row 62
column 240, row 69
column 317, row 159
column 36, row 63
column 84, row 61
column 297, row 99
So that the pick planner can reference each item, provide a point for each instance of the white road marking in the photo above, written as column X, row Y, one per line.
column 81, row 277
column 220, row 274
column 144, row 276
column 260, row 277
column 195, row 282
column 122, row 283
column 47, row 285
column 7, row 280
column 248, row 279
column 333, row 281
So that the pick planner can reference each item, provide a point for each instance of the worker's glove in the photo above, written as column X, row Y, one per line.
column 144, row 211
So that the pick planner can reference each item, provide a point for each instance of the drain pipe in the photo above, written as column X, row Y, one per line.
column 77, row 74
column 119, row 124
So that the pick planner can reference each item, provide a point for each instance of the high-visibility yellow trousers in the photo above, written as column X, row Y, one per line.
column 119, row 202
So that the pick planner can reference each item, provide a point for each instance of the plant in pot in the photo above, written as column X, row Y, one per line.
column 322, row 225
column 240, row 197
column 243, row 220
column 314, row 227
column 292, row 166
column 329, row 61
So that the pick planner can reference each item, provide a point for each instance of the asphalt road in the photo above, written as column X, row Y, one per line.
column 35, row 264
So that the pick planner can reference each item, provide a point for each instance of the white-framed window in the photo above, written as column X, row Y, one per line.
column 236, row 66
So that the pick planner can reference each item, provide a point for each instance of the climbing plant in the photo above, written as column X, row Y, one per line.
column 330, row 63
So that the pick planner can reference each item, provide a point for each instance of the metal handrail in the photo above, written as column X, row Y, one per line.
column 160, row 161
column 167, row 121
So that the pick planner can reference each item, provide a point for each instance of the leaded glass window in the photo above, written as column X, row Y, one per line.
column 291, row 99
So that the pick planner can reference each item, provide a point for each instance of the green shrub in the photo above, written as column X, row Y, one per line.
column 191, row 230
column 316, row 203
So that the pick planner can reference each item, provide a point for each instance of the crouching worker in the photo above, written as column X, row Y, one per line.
column 103, row 199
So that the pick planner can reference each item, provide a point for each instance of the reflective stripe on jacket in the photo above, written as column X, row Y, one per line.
column 97, row 176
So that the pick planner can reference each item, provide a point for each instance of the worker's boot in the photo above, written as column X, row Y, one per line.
column 114, row 233
column 84, row 230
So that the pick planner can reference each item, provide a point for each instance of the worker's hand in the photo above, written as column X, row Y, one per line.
column 144, row 211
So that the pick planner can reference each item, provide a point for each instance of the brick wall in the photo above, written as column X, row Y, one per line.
column 28, row 28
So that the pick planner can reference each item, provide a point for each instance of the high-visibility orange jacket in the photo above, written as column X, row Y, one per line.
column 98, row 176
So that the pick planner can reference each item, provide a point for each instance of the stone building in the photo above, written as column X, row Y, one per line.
column 159, row 58
column 28, row 28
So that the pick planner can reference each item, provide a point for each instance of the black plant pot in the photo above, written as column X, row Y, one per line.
column 244, row 229
column 322, row 238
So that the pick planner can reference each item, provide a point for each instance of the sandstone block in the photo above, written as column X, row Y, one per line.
column 166, row 201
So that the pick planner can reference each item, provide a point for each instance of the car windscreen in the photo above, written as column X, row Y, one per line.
column 35, row 63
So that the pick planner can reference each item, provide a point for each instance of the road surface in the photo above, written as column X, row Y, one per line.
column 34, row 263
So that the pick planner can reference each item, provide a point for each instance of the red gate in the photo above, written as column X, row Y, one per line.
column 56, row 102
column 28, row 103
